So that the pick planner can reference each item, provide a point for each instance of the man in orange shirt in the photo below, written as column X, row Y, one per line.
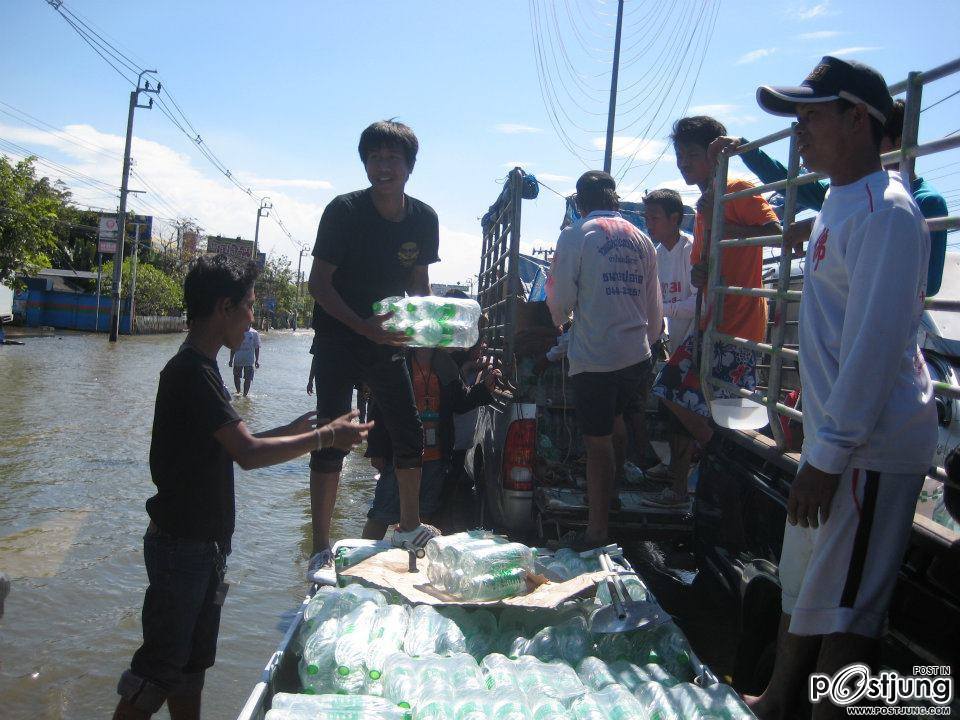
column 746, row 317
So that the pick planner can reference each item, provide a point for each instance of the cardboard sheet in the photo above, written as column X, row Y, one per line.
column 388, row 570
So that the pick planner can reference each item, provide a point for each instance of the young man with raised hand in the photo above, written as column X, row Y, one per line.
column 197, row 436
column 371, row 244
column 870, row 423
column 604, row 271
column 678, row 384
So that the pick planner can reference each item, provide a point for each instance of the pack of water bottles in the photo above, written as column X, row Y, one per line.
column 431, row 321
column 364, row 657
column 478, row 565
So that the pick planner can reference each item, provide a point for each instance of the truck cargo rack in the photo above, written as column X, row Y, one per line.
column 782, row 295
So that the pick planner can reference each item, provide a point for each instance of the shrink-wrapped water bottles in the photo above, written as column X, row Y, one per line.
column 431, row 321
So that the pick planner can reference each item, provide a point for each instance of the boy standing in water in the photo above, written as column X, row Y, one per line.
column 197, row 436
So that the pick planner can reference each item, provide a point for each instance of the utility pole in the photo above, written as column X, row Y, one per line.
column 265, row 204
column 122, row 215
column 133, row 275
column 303, row 251
column 608, row 152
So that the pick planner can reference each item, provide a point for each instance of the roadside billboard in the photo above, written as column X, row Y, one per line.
column 107, row 235
column 231, row 247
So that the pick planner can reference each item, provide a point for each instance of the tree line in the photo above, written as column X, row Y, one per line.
column 41, row 227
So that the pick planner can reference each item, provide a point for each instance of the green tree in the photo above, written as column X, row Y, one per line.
column 157, row 292
column 277, row 280
column 29, row 212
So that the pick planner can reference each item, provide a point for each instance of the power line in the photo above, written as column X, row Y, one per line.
column 954, row 93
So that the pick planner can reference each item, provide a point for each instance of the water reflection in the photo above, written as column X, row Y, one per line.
column 75, row 415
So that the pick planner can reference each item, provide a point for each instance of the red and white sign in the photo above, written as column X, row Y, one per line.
column 107, row 238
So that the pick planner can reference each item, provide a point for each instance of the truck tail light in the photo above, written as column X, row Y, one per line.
column 518, row 455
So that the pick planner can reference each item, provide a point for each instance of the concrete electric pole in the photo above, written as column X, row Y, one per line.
column 265, row 205
column 122, row 215
column 611, row 116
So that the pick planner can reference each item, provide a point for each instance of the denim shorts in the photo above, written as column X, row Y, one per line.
column 386, row 498
column 181, row 619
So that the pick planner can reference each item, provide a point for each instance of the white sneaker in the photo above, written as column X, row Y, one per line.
column 320, row 567
column 417, row 538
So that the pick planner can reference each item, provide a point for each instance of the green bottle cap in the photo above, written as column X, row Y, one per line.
column 312, row 669
column 343, row 671
column 309, row 691
column 374, row 674
column 404, row 704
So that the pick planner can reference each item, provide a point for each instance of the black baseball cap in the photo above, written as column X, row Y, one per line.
column 594, row 181
column 832, row 79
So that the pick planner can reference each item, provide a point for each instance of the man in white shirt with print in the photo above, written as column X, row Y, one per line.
column 869, row 419
column 245, row 359
column 663, row 213
column 604, row 271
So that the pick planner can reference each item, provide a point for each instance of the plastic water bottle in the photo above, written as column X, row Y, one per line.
column 393, row 304
column 443, row 309
column 635, row 590
column 473, row 705
column 317, row 660
column 494, row 586
column 587, row 707
column 615, row 646
column 337, row 707
column 633, row 676
column 479, row 628
column 548, row 709
column 655, row 702
column 500, row 673
column 351, row 647
column 430, row 632
column 556, row 679
column 451, row 555
column 674, row 651
column 400, row 679
column 595, row 674
column 620, row 704
column 509, row 707
column 437, row 544
column 386, row 637
column 497, row 557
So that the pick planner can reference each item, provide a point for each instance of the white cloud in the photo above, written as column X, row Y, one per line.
column 755, row 55
column 459, row 256
column 642, row 150
column 814, row 11
column 856, row 50
column 300, row 183
column 515, row 128
column 819, row 35
column 175, row 185
column 550, row 177
column 725, row 113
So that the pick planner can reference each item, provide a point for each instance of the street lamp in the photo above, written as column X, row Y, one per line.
column 262, row 211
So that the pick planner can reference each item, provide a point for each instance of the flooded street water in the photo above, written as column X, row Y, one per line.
column 75, row 420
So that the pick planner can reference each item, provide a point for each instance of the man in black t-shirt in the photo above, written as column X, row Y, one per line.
column 371, row 244
column 197, row 436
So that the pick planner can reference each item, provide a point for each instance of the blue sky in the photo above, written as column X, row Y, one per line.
column 280, row 92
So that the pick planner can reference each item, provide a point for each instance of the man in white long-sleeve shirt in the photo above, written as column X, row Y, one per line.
column 604, row 271
column 870, row 423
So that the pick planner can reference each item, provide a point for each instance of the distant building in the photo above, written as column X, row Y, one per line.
column 442, row 288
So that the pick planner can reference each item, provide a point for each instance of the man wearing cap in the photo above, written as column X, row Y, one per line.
column 604, row 271
column 870, row 423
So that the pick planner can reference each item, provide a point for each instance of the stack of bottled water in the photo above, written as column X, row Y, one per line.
column 394, row 662
column 565, row 564
column 478, row 568
column 288, row 706
column 431, row 321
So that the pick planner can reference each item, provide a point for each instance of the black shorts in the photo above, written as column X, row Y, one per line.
column 181, row 619
column 342, row 362
column 601, row 396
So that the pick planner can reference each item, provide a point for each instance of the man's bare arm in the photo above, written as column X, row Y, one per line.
column 322, row 290
column 420, row 280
